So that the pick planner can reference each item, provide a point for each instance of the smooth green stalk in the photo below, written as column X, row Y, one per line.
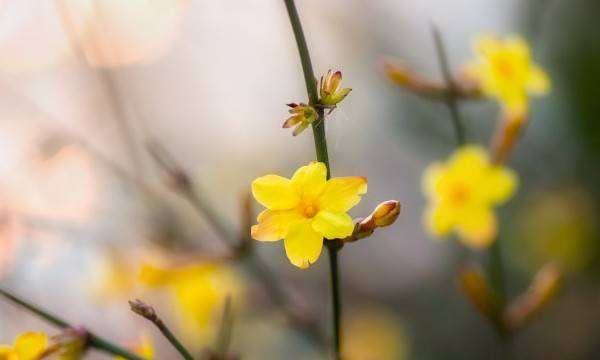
column 94, row 340
column 451, row 100
column 321, row 149
column 173, row 340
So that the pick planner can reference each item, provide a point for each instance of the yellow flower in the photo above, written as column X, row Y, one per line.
column 330, row 91
column 505, row 71
column 196, row 290
column 305, row 209
column 302, row 115
column 27, row 346
column 144, row 348
column 462, row 193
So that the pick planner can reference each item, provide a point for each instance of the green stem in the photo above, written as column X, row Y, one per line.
column 451, row 100
column 320, row 140
column 172, row 339
column 94, row 340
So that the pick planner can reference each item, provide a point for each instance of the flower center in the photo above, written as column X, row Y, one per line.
column 505, row 67
column 459, row 194
column 309, row 209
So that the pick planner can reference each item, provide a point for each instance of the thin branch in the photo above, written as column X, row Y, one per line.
column 94, row 340
column 451, row 99
column 149, row 314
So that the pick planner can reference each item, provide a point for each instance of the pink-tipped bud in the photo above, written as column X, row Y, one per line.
column 144, row 310
column 385, row 214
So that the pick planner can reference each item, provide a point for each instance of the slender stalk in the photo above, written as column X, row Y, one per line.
column 173, row 340
column 320, row 140
column 451, row 99
column 94, row 340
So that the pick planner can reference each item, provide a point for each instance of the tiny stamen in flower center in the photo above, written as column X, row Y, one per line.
column 310, row 210
column 459, row 194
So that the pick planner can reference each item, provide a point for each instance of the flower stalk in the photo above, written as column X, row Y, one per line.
column 147, row 312
column 320, row 140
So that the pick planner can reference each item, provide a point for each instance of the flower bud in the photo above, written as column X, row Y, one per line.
column 542, row 289
column 385, row 214
column 302, row 116
column 330, row 91
column 144, row 310
column 478, row 292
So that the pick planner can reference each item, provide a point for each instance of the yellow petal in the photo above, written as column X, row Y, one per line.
column 153, row 276
column 303, row 245
column 333, row 225
column 310, row 180
column 30, row 345
column 538, row 81
column 342, row 193
column 439, row 219
column 500, row 185
column 275, row 192
column 432, row 180
column 7, row 353
column 477, row 227
column 486, row 44
column 274, row 224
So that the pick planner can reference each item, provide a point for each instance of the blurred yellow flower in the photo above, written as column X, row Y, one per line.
column 305, row 209
column 27, row 346
column 330, row 91
column 505, row 71
column 375, row 333
column 144, row 348
column 462, row 193
column 197, row 290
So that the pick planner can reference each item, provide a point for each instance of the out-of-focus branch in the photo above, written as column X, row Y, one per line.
column 93, row 340
column 402, row 76
column 450, row 98
column 147, row 312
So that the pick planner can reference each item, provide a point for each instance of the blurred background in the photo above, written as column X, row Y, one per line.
column 84, row 84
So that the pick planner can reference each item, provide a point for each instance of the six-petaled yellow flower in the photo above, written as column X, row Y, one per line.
column 305, row 209
column 462, row 193
column 27, row 346
column 505, row 71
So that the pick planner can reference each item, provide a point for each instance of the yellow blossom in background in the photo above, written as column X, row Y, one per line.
column 27, row 346
column 462, row 193
column 305, row 209
column 505, row 71
column 374, row 333
column 197, row 291
column 144, row 348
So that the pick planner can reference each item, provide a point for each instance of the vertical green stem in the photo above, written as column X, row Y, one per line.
column 322, row 156
column 451, row 100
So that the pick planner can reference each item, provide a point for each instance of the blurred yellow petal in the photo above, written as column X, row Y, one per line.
column 439, row 220
column 153, row 276
column 343, row 193
column 500, row 185
column 333, row 225
column 538, row 82
column 310, row 180
column 275, row 192
column 486, row 44
column 30, row 345
column 274, row 224
column 432, row 179
column 477, row 227
column 303, row 245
